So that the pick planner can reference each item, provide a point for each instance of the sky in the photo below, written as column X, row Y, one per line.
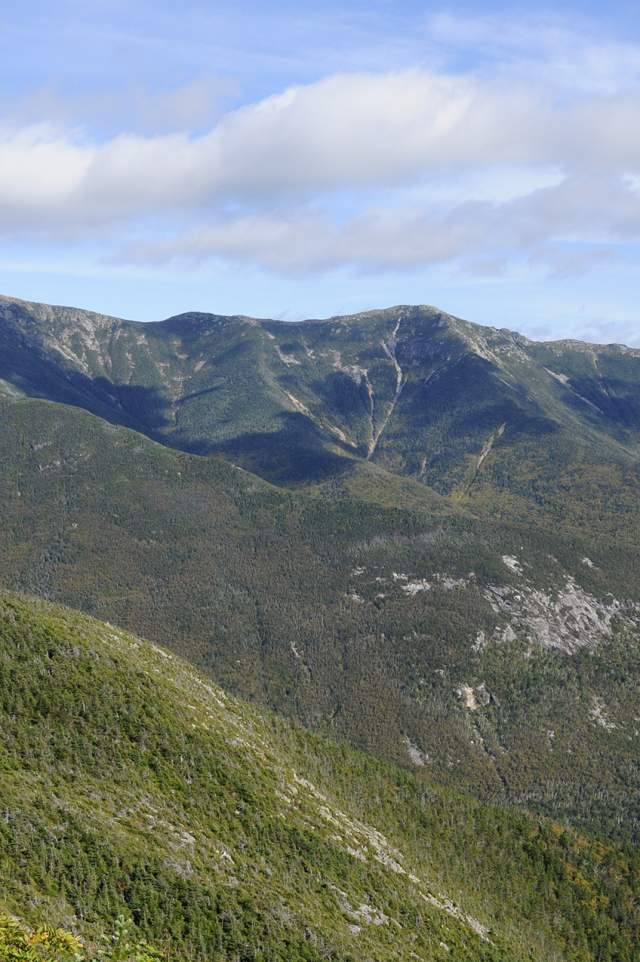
column 297, row 160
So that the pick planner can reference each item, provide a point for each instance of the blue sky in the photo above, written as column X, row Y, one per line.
column 294, row 160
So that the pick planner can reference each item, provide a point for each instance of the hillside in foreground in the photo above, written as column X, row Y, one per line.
column 131, row 784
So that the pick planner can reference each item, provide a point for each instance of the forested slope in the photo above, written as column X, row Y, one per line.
column 486, row 654
column 130, row 784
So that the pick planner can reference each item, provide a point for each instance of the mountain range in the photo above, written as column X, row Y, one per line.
column 407, row 532
column 421, row 393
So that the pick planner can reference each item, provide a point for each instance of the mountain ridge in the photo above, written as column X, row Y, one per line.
column 334, row 387
column 360, row 608
column 430, row 309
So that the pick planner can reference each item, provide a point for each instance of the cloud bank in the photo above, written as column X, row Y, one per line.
column 374, row 171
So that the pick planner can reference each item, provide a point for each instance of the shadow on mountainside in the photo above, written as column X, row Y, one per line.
column 294, row 455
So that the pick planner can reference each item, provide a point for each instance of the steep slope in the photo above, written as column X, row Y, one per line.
column 481, row 654
column 424, row 394
column 130, row 784
column 201, row 383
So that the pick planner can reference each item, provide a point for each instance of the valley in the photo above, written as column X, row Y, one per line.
column 411, row 536
column 362, row 600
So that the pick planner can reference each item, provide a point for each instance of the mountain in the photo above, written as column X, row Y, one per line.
column 467, row 410
column 475, row 618
column 132, row 785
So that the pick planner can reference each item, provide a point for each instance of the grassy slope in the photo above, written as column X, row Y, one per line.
column 130, row 783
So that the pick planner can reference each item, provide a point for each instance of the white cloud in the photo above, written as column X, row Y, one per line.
column 263, row 185
column 344, row 131
column 40, row 170
column 552, row 226
column 132, row 107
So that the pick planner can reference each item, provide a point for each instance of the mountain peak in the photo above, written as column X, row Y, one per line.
column 419, row 390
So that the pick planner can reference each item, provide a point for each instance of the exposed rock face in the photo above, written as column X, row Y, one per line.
column 416, row 755
column 474, row 698
column 568, row 620
column 468, row 696
column 512, row 564
column 599, row 714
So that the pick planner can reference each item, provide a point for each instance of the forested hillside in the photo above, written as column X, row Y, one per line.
column 485, row 654
column 133, row 786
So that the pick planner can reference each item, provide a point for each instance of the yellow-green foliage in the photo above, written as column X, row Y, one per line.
column 131, row 784
column 21, row 943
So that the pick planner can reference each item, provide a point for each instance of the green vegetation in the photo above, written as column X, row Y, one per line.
column 367, row 595
column 411, row 388
column 264, row 589
column 132, row 786
column 20, row 943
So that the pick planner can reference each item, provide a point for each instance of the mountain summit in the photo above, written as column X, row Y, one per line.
column 421, row 393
